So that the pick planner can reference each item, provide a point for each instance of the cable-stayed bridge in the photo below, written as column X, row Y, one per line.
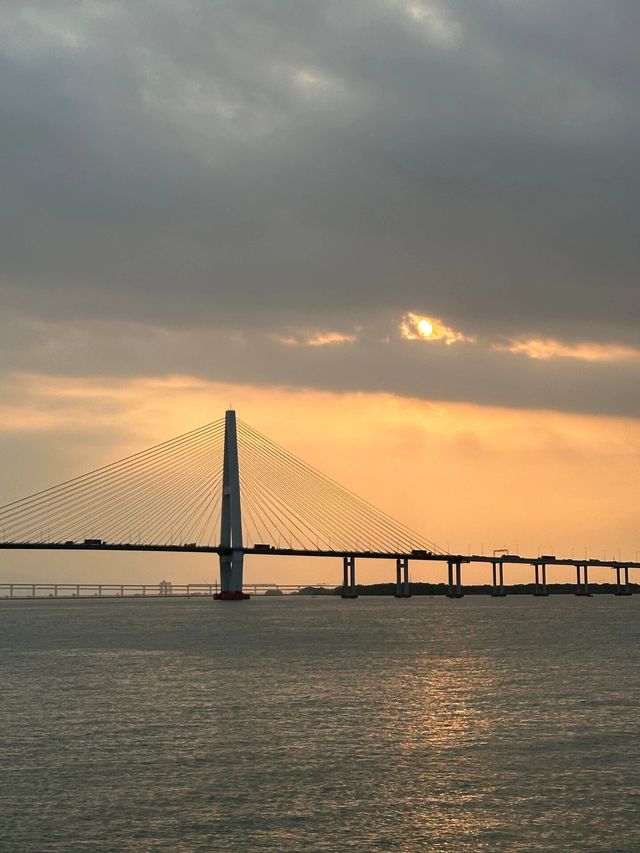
column 227, row 489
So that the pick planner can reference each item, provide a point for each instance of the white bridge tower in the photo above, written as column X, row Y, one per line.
column 232, row 555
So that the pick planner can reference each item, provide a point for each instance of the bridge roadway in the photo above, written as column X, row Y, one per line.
column 349, row 587
column 421, row 556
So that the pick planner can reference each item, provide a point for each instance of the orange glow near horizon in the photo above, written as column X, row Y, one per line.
column 468, row 477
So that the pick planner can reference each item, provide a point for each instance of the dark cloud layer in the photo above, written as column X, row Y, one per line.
column 268, row 165
column 470, row 372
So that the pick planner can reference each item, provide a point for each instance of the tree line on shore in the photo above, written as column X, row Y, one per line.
column 469, row 589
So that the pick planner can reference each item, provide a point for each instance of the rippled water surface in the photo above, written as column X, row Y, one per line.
column 320, row 725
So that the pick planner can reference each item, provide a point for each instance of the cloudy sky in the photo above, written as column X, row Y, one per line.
column 401, row 229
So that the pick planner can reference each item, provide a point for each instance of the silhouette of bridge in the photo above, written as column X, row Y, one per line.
column 227, row 489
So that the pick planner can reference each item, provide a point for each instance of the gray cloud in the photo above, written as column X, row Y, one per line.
column 261, row 165
column 472, row 372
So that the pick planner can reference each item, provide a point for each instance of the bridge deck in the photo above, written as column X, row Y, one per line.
column 298, row 552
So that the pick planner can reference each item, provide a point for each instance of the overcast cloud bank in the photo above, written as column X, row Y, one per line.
column 187, row 187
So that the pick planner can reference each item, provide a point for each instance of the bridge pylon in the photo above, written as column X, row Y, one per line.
column 232, row 555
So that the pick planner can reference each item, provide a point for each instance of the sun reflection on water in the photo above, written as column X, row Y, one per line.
column 446, row 706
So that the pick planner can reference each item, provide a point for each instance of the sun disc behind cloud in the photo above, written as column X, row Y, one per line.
column 424, row 327
column 418, row 327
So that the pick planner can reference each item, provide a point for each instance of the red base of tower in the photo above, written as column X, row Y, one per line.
column 231, row 596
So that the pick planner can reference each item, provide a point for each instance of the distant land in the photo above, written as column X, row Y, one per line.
column 478, row 589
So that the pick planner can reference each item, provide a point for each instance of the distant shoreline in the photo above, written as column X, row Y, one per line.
column 433, row 589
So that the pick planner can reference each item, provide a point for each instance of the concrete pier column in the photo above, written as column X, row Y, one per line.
column 99, row 590
column 622, row 588
column 11, row 590
column 541, row 587
column 450, row 589
column 455, row 587
column 78, row 590
column 402, row 578
column 497, row 573
column 582, row 587
column 349, row 577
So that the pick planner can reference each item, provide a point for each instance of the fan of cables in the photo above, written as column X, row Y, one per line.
column 168, row 494
column 289, row 504
column 171, row 494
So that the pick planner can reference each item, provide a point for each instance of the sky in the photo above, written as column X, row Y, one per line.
column 400, row 238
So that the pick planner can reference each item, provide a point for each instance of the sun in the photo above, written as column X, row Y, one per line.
column 422, row 327
column 425, row 328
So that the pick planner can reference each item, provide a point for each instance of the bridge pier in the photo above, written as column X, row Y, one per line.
column 622, row 589
column 402, row 578
column 497, row 571
column 582, row 586
column 540, row 588
column 349, row 577
column 454, row 587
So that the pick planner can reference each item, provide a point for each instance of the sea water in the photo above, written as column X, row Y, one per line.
column 316, row 724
